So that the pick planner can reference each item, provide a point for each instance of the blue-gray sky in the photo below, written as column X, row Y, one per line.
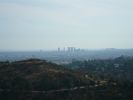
column 48, row 24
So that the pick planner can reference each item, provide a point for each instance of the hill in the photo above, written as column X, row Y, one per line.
column 37, row 74
column 36, row 79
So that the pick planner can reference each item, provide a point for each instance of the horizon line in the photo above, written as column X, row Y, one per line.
column 50, row 50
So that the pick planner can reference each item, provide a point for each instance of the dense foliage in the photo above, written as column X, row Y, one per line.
column 37, row 74
column 21, row 80
column 119, row 68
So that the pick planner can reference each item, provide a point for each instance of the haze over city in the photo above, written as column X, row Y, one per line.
column 66, row 49
column 49, row 24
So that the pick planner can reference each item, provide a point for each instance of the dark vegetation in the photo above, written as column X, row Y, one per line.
column 21, row 80
column 118, row 68
column 34, row 74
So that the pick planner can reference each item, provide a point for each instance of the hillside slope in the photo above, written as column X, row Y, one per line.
column 35, row 79
column 37, row 74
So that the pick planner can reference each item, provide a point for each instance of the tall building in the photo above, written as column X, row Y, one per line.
column 59, row 50
column 71, row 49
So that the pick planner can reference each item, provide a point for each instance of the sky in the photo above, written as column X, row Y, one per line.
column 49, row 24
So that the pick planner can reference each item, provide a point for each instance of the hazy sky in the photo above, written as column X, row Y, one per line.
column 48, row 24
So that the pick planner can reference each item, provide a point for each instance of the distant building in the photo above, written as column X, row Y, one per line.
column 59, row 49
column 71, row 49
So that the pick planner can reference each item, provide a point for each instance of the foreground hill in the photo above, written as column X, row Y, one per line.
column 35, row 79
column 37, row 74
